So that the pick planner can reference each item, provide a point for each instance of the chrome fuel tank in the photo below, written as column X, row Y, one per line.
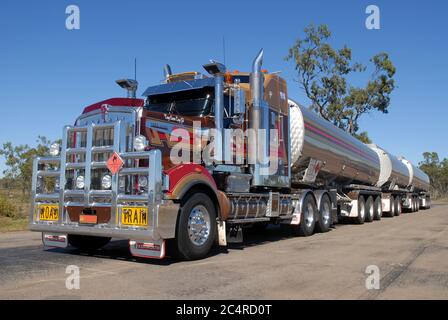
column 334, row 155
column 394, row 173
column 418, row 180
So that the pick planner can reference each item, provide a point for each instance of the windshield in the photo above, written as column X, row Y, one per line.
column 195, row 103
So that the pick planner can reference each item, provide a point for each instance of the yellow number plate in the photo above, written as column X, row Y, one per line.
column 48, row 212
column 134, row 216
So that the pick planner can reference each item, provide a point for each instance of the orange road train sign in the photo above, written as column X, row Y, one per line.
column 115, row 163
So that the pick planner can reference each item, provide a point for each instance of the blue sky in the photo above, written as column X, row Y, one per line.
column 48, row 73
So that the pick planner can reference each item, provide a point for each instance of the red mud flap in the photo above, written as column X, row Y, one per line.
column 154, row 250
column 55, row 240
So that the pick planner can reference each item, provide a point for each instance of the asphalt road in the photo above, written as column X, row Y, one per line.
column 411, row 252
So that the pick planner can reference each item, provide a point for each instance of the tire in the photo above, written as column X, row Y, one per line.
column 325, row 218
column 196, row 228
column 370, row 211
column 391, row 212
column 87, row 243
column 397, row 206
column 360, row 219
column 414, row 207
column 307, row 218
column 378, row 208
column 417, row 204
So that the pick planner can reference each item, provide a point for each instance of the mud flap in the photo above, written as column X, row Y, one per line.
column 55, row 240
column 295, row 219
column 153, row 250
column 222, row 235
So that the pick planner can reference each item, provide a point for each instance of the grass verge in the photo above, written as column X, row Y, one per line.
column 13, row 224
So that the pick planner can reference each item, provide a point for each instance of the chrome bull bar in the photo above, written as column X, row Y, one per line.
column 162, row 214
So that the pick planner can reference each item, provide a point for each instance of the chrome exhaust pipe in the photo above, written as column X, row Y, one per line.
column 167, row 71
column 257, row 81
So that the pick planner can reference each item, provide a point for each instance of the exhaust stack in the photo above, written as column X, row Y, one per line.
column 259, row 123
column 217, row 70
column 167, row 71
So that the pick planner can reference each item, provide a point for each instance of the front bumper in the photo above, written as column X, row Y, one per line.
column 163, row 226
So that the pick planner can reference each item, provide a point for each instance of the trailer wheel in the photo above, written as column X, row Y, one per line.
column 307, row 218
column 378, row 208
column 391, row 212
column 324, row 223
column 397, row 205
column 196, row 228
column 370, row 210
column 87, row 243
column 360, row 219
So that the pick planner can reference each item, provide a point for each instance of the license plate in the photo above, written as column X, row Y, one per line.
column 134, row 216
column 48, row 212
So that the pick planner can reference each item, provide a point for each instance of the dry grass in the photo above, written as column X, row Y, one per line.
column 13, row 224
column 21, row 203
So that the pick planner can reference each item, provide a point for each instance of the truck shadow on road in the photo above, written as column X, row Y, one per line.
column 119, row 249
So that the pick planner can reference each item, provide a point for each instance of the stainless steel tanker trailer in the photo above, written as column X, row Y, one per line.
column 368, row 181
column 116, row 176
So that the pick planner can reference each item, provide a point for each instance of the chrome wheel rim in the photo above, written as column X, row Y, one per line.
column 380, row 209
column 199, row 225
column 371, row 210
column 309, row 217
column 362, row 211
column 326, row 213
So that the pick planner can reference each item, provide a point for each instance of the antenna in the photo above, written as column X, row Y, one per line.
column 224, row 49
column 135, row 69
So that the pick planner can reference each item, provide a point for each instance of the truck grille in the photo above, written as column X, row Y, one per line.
column 85, row 151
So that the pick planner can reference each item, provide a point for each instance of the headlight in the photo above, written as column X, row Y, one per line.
column 80, row 182
column 106, row 182
column 57, row 184
column 122, row 182
column 142, row 182
column 139, row 143
column 54, row 149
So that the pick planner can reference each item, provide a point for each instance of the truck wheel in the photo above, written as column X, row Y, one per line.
column 397, row 205
column 324, row 223
column 360, row 219
column 87, row 243
column 369, row 209
column 196, row 228
column 391, row 212
column 378, row 208
column 307, row 218
column 417, row 204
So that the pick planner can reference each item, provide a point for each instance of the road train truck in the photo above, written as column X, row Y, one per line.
column 117, row 172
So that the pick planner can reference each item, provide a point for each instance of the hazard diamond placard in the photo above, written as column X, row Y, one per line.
column 115, row 163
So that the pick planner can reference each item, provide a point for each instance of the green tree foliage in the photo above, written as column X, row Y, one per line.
column 323, row 75
column 19, row 162
column 437, row 171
